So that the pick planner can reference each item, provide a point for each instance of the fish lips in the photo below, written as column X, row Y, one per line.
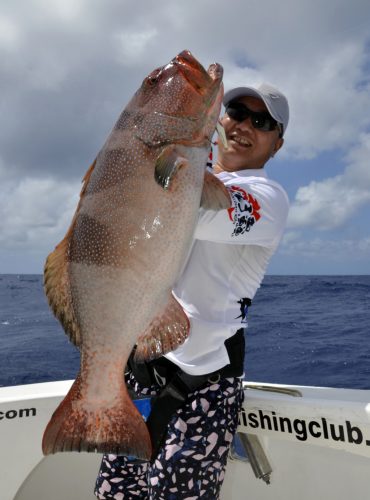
column 200, row 79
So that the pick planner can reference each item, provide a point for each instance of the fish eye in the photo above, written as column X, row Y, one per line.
column 153, row 78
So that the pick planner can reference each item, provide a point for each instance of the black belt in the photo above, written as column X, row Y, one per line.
column 177, row 385
column 160, row 371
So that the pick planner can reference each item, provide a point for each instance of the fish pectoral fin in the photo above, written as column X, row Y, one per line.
column 167, row 165
column 215, row 195
column 165, row 333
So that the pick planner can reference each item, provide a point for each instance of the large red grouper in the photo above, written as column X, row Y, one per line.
column 109, row 280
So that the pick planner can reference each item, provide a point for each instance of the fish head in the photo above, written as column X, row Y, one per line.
column 178, row 103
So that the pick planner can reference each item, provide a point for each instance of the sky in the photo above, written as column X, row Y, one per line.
column 69, row 67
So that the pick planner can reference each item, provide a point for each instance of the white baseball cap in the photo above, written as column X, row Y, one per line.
column 275, row 101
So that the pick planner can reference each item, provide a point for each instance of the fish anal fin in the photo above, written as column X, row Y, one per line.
column 165, row 333
column 215, row 195
column 56, row 277
column 79, row 426
column 167, row 165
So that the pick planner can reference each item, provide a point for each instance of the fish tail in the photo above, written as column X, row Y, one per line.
column 78, row 425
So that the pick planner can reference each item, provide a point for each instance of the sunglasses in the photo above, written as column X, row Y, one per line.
column 261, row 120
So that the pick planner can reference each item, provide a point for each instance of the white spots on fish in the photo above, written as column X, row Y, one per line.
column 127, row 245
column 132, row 242
column 116, row 163
column 124, row 119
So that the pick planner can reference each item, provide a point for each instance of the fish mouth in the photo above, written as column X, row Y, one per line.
column 195, row 73
column 216, row 71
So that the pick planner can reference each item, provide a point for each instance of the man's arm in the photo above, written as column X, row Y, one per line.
column 257, row 216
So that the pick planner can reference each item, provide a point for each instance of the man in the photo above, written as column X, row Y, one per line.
column 192, row 430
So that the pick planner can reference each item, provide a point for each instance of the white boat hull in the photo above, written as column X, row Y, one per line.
column 318, row 446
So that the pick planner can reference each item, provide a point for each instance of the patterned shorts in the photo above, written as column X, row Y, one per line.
column 191, row 463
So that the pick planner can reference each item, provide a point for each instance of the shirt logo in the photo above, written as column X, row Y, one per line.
column 246, row 211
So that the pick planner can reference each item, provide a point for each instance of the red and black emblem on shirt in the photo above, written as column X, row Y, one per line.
column 245, row 212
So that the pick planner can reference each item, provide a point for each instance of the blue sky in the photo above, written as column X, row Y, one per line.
column 70, row 66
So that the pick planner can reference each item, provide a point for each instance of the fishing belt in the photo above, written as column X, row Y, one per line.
column 176, row 385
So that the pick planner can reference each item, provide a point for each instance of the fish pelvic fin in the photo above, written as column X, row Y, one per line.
column 82, row 426
column 215, row 195
column 167, row 165
column 165, row 333
column 56, row 278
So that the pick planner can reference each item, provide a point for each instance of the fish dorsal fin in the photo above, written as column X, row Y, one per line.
column 166, row 332
column 215, row 195
column 56, row 278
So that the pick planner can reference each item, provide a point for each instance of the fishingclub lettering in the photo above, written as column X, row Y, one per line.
column 245, row 212
column 303, row 429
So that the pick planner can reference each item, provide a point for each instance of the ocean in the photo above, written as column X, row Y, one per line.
column 305, row 330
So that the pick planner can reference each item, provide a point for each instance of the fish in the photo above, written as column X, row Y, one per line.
column 109, row 281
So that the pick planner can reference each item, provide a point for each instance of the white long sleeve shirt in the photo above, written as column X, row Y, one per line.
column 226, row 265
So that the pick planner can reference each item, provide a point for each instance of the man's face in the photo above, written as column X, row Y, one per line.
column 247, row 147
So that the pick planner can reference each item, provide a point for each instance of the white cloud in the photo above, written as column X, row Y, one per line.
column 327, row 104
column 92, row 51
column 330, row 203
column 69, row 67
column 36, row 213
column 9, row 33
column 132, row 45
column 358, row 159
column 332, row 249
column 64, row 10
